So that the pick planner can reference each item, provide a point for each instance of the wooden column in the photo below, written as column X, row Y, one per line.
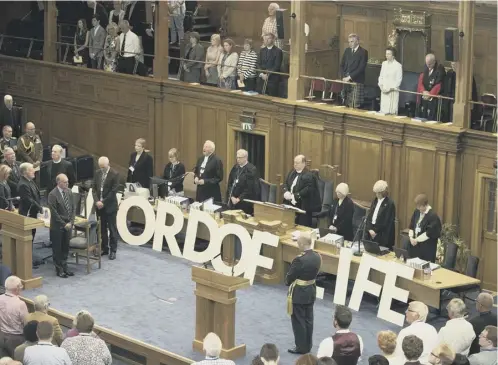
column 465, row 66
column 161, row 43
column 297, row 51
column 50, row 32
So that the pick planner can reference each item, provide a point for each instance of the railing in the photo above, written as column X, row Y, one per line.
column 487, row 116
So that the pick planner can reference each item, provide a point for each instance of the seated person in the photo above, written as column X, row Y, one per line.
column 487, row 341
column 484, row 317
column 412, row 349
column 40, row 314
column 430, row 83
column 31, row 339
column 458, row 333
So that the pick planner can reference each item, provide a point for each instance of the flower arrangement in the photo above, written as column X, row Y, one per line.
column 449, row 234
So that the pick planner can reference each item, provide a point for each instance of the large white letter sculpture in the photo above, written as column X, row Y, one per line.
column 156, row 227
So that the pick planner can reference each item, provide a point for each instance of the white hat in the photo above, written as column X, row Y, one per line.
column 380, row 186
column 342, row 188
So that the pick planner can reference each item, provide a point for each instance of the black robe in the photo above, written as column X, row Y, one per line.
column 173, row 174
column 143, row 169
column 431, row 225
column 243, row 184
column 341, row 217
column 384, row 224
column 212, row 176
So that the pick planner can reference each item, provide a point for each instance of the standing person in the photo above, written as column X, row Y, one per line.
column 213, row 54
column 7, row 140
column 30, row 147
column 430, row 83
column 242, row 183
column 62, row 212
column 391, row 74
column 57, row 166
column 301, row 191
column 301, row 279
column 270, row 24
column 105, row 187
column 173, row 172
column 484, row 317
column 81, row 43
column 425, row 230
column 177, row 17
column 15, row 174
column 270, row 59
column 110, row 47
column 129, row 49
column 12, row 313
column 227, row 67
column 246, row 66
column 341, row 213
column 192, row 63
column 12, row 115
column 96, row 42
column 141, row 165
column 208, row 174
column 117, row 14
column 353, row 66
column 5, row 193
column 41, row 305
column 30, row 203
column 381, row 216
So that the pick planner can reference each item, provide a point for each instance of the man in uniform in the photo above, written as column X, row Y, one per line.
column 7, row 140
column 302, row 294
column 29, row 147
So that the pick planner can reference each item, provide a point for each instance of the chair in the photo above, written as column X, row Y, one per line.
column 327, row 198
column 359, row 213
column 189, row 187
column 268, row 191
column 470, row 270
column 450, row 256
column 488, row 113
column 86, row 242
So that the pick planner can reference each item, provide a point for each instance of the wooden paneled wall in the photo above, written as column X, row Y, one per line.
column 373, row 21
column 102, row 114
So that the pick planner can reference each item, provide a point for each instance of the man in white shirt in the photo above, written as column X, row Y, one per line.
column 212, row 347
column 458, row 332
column 344, row 345
column 129, row 49
column 416, row 315
column 44, row 352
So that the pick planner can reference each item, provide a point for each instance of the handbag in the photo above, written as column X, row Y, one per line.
column 77, row 59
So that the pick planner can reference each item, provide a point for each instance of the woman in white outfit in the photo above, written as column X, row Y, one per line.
column 390, row 78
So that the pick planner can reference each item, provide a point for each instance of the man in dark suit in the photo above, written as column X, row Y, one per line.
column 94, row 7
column 208, row 174
column 301, row 296
column 62, row 212
column 270, row 59
column 430, row 83
column 15, row 174
column 485, row 317
column 105, row 187
column 242, row 184
column 353, row 65
column 57, row 166
column 301, row 191
column 381, row 216
column 30, row 204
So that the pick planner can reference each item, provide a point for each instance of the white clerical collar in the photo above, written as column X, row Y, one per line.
column 427, row 209
column 269, row 47
column 299, row 171
column 57, row 161
column 243, row 164
column 380, row 200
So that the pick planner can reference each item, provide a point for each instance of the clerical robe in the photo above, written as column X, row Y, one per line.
column 390, row 78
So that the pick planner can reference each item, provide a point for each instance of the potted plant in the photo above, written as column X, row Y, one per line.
column 449, row 234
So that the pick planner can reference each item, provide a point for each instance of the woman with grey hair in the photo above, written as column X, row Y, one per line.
column 74, row 331
column 458, row 333
column 341, row 213
column 380, row 219
column 270, row 24
column 111, row 47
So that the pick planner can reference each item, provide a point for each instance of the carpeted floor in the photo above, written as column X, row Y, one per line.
column 148, row 295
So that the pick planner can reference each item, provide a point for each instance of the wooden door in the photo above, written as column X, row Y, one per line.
column 488, row 251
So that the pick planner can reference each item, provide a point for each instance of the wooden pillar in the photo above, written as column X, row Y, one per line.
column 161, row 43
column 465, row 66
column 297, row 50
column 50, row 32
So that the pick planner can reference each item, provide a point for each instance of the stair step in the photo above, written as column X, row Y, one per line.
column 201, row 19
column 203, row 26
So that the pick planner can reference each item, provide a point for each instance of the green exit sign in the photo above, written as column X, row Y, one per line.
column 247, row 126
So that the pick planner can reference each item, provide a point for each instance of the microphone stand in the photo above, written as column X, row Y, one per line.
column 361, row 229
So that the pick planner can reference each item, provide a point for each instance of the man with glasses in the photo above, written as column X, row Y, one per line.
column 487, row 341
column 41, row 305
column 485, row 317
column 12, row 313
column 416, row 315
column 62, row 212
column 442, row 355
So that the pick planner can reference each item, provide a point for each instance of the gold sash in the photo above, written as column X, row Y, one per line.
column 298, row 282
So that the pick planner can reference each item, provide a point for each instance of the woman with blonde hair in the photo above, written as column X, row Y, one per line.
column 386, row 340
column 213, row 54
column 227, row 68
column 111, row 47
column 5, row 194
column 141, row 166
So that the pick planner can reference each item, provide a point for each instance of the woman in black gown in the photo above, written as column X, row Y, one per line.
column 81, row 42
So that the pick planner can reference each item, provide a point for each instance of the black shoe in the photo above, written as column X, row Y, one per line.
column 112, row 256
column 68, row 273
column 62, row 274
column 296, row 351
column 103, row 253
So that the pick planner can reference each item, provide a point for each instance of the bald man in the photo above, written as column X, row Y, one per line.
column 430, row 83
column 243, row 183
column 30, row 147
column 301, row 191
column 301, row 279
column 484, row 306
column 208, row 174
